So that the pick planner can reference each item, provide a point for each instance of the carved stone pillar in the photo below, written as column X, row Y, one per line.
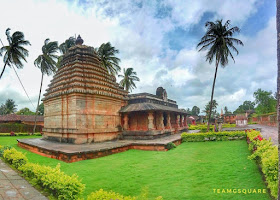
column 182, row 120
column 125, row 120
column 161, row 123
column 177, row 121
column 185, row 121
column 168, row 126
column 151, row 125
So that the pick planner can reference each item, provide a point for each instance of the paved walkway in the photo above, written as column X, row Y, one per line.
column 14, row 187
column 266, row 131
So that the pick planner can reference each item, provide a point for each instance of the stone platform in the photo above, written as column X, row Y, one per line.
column 74, row 152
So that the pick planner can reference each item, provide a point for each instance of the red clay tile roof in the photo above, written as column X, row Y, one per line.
column 14, row 117
column 241, row 117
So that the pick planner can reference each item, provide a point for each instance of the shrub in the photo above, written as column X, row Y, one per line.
column 266, row 155
column 2, row 149
column 14, row 157
column 203, row 127
column 20, row 134
column 18, row 127
column 212, row 136
column 170, row 145
column 58, row 183
column 104, row 195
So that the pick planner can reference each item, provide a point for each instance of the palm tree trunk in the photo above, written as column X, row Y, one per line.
column 278, row 87
column 3, row 69
column 211, row 102
column 38, row 104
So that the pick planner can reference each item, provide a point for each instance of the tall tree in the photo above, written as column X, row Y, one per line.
column 195, row 111
column 109, row 61
column 265, row 101
column 213, row 107
column 8, row 108
column 41, row 109
column 25, row 111
column 278, row 86
column 128, row 79
column 46, row 62
column 218, row 39
column 64, row 48
column 15, row 52
column 247, row 105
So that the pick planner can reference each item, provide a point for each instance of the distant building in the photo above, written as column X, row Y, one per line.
column 241, row 121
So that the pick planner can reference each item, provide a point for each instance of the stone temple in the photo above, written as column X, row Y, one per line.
column 83, row 101
column 85, row 105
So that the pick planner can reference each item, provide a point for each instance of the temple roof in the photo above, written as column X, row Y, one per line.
column 149, row 107
column 25, row 118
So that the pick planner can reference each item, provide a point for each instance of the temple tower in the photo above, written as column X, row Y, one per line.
column 83, row 101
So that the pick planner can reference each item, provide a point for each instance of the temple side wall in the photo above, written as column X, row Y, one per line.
column 82, row 118
column 138, row 121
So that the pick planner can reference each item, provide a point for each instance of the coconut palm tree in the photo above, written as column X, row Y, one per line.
column 15, row 52
column 46, row 62
column 128, row 78
column 109, row 61
column 64, row 48
column 278, row 86
column 220, row 42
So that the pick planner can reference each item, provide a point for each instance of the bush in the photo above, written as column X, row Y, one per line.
column 266, row 154
column 58, row 183
column 212, row 136
column 203, row 127
column 104, row 195
column 18, row 127
column 20, row 134
column 14, row 157
column 2, row 149
column 170, row 145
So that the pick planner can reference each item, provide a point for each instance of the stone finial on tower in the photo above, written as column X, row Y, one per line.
column 79, row 40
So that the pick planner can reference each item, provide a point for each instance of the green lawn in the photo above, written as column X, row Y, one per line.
column 191, row 171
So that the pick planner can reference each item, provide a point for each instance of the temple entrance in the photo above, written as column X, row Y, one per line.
column 165, row 119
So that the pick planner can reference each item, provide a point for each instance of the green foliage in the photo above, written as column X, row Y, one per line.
column 104, row 195
column 203, row 127
column 17, row 128
column 20, row 134
column 14, row 157
column 41, row 109
column 3, row 148
column 212, row 136
column 195, row 111
column 170, row 145
column 265, row 101
column 8, row 108
column 128, row 78
column 267, row 155
column 109, row 61
column 247, row 105
column 55, row 181
column 214, row 107
column 25, row 111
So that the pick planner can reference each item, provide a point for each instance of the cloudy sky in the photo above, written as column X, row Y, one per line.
column 157, row 38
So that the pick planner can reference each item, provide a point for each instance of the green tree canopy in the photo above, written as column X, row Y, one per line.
column 214, row 107
column 265, row 101
column 128, row 79
column 41, row 109
column 25, row 111
column 8, row 108
column 15, row 52
column 247, row 105
column 109, row 61
column 220, row 43
column 195, row 110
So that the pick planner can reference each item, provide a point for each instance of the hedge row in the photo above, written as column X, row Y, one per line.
column 18, row 127
column 59, row 184
column 266, row 154
column 213, row 136
column 203, row 127
column 105, row 195
column 19, row 134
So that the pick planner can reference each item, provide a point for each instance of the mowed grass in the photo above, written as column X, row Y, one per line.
column 191, row 171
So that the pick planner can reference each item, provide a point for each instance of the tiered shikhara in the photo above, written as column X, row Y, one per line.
column 83, row 101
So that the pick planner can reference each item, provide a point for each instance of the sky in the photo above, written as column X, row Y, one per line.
column 156, row 38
